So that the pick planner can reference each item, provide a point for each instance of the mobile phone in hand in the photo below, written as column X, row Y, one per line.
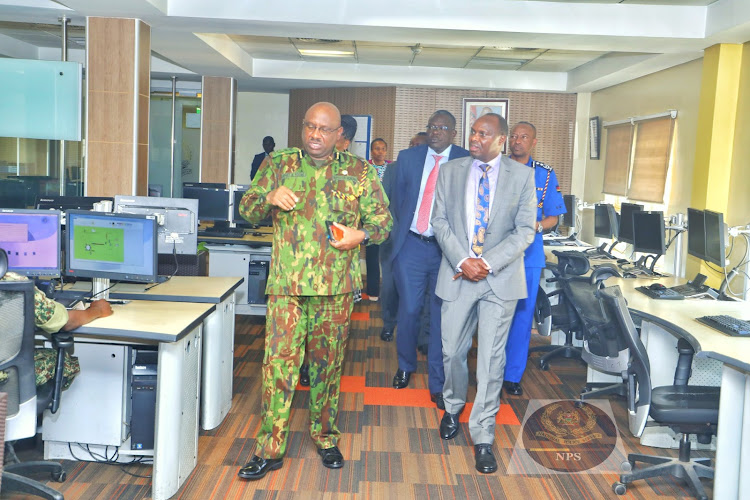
column 334, row 233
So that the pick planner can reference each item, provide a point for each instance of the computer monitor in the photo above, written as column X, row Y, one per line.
column 212, row 185
column 626, row 221
column 31, row 238
column 714, row 227
column 213, row 204
column 65, row 203
column 569, row 217
column 121, row 247
column 238, row 191
column 605, row 221
column 177, row 218
column 648, row 232
column 696, row 237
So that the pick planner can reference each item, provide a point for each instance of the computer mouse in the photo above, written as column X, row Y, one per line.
column 629, row 275
column 657, row 286
column 256, row 233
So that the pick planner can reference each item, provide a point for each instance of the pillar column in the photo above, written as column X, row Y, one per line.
column 218, row 107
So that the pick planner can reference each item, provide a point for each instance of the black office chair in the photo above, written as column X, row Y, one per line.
column 686, row 409
column 26, row 402
column 568, row 270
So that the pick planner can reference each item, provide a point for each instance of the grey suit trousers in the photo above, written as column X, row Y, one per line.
column 479, row 310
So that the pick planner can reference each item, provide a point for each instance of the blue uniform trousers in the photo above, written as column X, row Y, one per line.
column 517, row 348
column 415, row 271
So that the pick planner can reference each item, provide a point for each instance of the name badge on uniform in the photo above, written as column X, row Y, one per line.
column 292, row 174
column 349, row 178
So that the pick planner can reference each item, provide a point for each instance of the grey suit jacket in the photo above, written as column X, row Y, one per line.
column 509, row 232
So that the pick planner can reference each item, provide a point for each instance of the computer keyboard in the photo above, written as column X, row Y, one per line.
column 727, row 324
column 224, row 233
column 688, row 290
column 660, row 293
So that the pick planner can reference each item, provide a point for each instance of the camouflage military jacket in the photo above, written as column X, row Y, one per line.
column 344, row 190
column 49, row 315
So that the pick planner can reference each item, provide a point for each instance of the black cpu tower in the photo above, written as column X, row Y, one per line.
column 143, row 399
column 256, row 280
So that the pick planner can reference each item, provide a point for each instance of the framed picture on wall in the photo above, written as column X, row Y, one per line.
column 474, row 108
column 594, row 138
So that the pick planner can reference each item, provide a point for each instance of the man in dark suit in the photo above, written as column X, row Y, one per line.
column 416, row 254
column 268, row 145
column 484, row 218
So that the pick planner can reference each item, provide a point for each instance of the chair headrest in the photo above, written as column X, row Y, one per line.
column 3, row 262
column 572, row 262
column 603, row 272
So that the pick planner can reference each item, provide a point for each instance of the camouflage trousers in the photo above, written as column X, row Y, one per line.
column 322, row 322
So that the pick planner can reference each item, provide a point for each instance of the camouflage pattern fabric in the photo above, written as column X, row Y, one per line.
column 44, row 307
column 345, row 190
column 3, row 376
column 323, row 322
column 44, row 366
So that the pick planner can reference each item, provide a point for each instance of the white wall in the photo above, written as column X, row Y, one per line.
column 258, row 115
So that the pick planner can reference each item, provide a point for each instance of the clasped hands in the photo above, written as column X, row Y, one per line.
column 473, row 270
column 285, row 199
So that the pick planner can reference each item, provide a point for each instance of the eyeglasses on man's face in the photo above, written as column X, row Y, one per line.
column 443, row 128
column 311, row 128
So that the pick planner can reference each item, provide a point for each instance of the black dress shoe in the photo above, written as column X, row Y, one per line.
column 513, row 388
column 485, row 460
column 258, row 467
column 437, row 398
column 304, row 375
column 332, row 457
column 386, row 335
column 449, row 425
column 401, row 379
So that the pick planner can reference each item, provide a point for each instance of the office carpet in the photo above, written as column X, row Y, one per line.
column 390, row 439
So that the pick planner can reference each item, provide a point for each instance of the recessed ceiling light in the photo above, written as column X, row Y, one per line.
column 326, row 53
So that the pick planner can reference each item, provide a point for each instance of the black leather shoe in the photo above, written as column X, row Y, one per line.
column 386, row 335
column 513, row 388
column 401, row 379
column 485, row 460
column 332, row 457
column 437, row 398
column 258, row 467
column 304, row 375
column 449, row 425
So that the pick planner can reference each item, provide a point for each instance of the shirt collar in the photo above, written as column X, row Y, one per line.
column 494, row 163
column 445, row 154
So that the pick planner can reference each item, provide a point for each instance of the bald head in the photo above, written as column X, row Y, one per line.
column 321, row 129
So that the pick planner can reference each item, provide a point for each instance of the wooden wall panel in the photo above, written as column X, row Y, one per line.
column 117, row 82
column 217, row 129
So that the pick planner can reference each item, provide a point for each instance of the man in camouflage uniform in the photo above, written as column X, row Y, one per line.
column 312, row 279
column 50, row 317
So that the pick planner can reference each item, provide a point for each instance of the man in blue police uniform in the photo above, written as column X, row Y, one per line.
column 521, row 142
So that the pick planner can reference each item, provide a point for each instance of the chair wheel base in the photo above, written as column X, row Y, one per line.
column 59, row 477
column 619, row 488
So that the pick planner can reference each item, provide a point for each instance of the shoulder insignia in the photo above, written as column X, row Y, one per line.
column 285, row 152
column 542, row 165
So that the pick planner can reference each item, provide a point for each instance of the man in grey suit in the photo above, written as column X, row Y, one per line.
column 484, row 217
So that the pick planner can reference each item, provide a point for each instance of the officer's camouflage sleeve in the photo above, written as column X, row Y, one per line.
column 49, row 315
column 253, row 206
column 373, row 206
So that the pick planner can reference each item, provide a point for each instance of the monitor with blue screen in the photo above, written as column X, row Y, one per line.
column 31, row 238
column 121, row 247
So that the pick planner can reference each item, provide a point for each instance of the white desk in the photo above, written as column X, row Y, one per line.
column 176, row 328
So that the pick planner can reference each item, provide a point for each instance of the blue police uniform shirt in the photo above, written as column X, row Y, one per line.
column 550, row 203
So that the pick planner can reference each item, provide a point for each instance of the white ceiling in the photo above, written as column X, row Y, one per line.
column 533, row 45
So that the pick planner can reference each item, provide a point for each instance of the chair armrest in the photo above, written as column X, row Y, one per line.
column 60, row 342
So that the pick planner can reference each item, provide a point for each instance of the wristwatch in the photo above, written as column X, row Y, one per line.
column 539, row 227
column 367, row 237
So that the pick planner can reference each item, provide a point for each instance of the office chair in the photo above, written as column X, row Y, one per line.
column 686, row 409
column 569, row 268
column 25, row 401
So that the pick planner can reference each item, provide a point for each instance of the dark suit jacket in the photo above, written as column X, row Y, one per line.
column 404, row 191
column 256, row 164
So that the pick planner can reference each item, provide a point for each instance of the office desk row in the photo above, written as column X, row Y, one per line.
column 190, row 321
column 663, row 322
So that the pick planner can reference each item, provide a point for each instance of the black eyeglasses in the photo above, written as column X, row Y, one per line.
column 444, row 128
column 310, row 127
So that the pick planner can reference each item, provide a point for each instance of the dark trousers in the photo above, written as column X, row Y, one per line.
column 388, row 292
column 373, row 270
column 415, row 270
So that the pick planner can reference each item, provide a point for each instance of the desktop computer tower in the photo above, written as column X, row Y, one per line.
column 143, row 398
column 257, row 276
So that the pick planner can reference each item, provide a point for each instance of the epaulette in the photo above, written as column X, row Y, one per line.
column 286, row 152
column 542, row 165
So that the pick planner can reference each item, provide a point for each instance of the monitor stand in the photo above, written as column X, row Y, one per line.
column 100, row 288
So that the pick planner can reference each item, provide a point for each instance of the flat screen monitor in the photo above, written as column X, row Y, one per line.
column 569, row 217
column 213, row 185
column 121, row 247
column 66, row 203
column 238, row 191
column 177, row 219
column 605, row 221
column 714, row 226
column 696, row 237
column 648, row 232
column 31, row 239
column 626, row 221
column 213, row 204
